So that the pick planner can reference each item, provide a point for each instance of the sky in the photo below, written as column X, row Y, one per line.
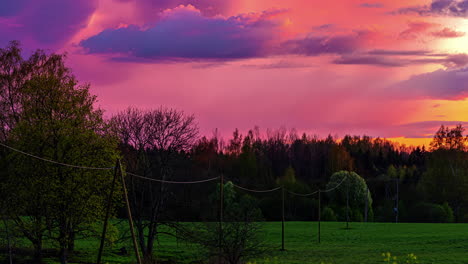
column 396, row 69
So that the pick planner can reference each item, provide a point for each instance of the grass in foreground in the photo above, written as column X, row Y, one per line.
column 362, row 243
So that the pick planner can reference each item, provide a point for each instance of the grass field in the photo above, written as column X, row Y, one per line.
column 362, row 243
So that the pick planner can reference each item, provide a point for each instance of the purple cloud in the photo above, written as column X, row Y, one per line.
column 449, row 61
column 46, row 22
column 184, row 32
column 400, row 52
column 12, row 7
column 372, row 5
column 440, row 84
column 455, row 8
column 207, row 7
column 370, row 60
column 318, row 45
column 421, row 129
column 400, row 58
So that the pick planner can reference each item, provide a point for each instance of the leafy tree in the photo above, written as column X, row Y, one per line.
column 353, row 189
column 57, row 120
column 446, row 178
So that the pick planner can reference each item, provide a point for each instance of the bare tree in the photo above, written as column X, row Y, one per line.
column 151, row 143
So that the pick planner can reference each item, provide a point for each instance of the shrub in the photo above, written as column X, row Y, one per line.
column 328, row 214
column 430, row 213
column 449, row 212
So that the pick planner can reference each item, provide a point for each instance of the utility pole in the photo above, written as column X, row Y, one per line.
column 106, row 219
column 397, row 199
column 347, row 204
column 282, row 219
column 319, row 213
column 129, row 213
column 366, row 208
column 221, row 213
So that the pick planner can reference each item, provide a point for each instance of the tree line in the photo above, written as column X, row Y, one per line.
column 46, row 112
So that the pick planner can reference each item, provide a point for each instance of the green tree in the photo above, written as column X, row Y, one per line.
column 57, row 121
column 446, row 177
column 349, row 187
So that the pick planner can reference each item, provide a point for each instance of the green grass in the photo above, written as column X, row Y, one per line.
column 363, row 243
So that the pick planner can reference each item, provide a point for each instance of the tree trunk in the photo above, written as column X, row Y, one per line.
column 151, row 236
column 37, row 251
column 71, row 242
column 63, row 254
column 141, row 237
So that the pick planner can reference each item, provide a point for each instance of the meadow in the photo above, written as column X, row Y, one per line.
column 363, row 243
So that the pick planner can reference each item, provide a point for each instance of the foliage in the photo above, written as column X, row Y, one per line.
column 446, row 178
column 352, row 189
column 238, row 238
column 328, row 214
column 431, row 213
column 408, row 259
column 56, row 120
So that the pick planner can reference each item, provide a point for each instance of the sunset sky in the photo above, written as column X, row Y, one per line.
column 394, row 68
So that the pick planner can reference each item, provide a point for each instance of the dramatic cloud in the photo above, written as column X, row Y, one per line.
column 449, row 61
column 448, row 33
column 400, row 52
column 393, row 58
column 372, row 5
column 207, row 7
column 415, row 29
column 421, row 129
column 46, row 22
column 318, row 45
column 441, row 84
column 184, row 32
column 455, row 8
column 370, row 60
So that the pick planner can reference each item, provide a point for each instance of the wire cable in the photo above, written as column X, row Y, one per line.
column 338, row 185
column 53, row 161
column 301, row 194
column 171, row 182
column 257, row 191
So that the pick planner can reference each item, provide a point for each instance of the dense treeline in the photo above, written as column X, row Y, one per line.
column 46, row 112
column 426, row 181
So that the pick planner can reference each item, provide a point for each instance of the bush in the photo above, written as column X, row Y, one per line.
column 431, row 213
column 449, row 212
column 355, row 215
column 328, row 214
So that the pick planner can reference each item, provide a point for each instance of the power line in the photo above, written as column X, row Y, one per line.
column 171, row 182
column 53, row 161
column 301, row 194
column 338, row 185
column 257, row 191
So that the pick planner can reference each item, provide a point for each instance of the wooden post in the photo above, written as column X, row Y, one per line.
column 366, row 206
column 319, row 215
column 106, row 219
column 282, row 219
column 221, row 214
column 396, row 201
column 347, row 204
column 129, row 214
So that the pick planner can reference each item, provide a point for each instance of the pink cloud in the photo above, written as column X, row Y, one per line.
column 448, row 33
